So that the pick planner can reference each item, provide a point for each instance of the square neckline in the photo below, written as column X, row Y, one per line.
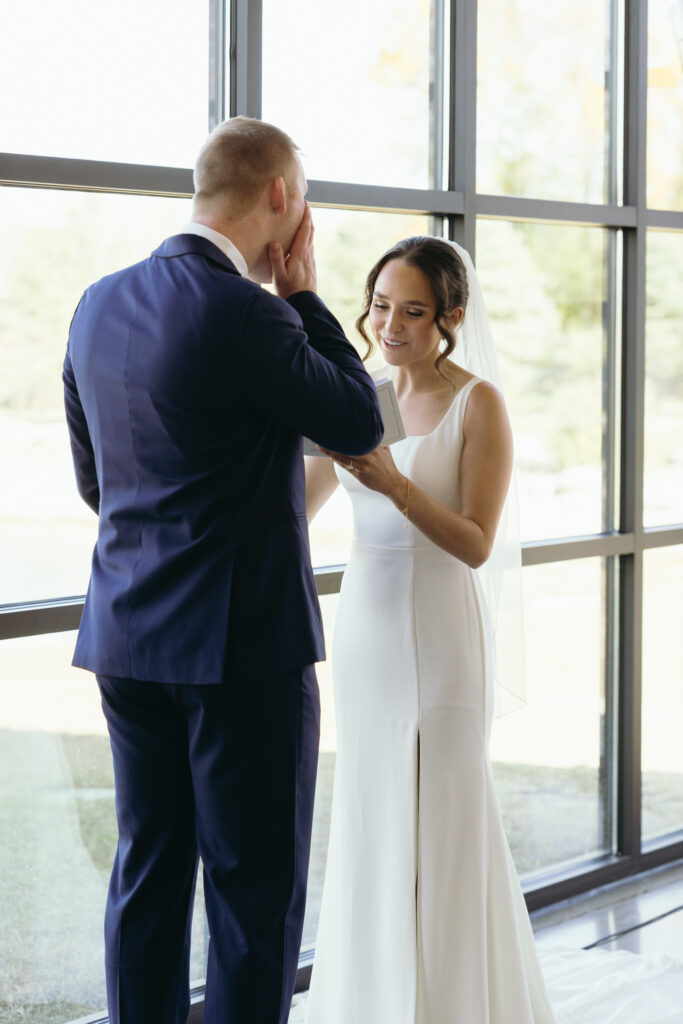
column 472, row 381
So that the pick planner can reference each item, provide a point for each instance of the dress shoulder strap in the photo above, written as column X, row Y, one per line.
column 451, row 427
column 460, row 402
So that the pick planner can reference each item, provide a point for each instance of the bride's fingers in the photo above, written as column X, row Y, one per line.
column 352, row 463
column 341, row 460
column 345, row 461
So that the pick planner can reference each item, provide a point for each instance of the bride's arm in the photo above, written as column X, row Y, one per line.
column 321, row 482
column 485, row 468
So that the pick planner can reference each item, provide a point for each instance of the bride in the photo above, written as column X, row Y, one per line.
column 423, row 919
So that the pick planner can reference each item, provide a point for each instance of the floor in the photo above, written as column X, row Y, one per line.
column 643, row 915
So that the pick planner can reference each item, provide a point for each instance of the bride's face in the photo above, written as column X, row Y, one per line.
column 402, row 315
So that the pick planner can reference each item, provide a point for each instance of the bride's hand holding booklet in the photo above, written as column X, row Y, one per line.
column 391, row 416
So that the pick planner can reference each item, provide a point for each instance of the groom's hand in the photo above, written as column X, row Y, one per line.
column 296, row 271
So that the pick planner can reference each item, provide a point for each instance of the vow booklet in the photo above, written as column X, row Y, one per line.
column 391, row 416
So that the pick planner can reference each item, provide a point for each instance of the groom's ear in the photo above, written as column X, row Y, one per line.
column 278, row 195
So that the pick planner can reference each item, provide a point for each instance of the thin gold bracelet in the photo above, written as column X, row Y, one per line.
column 404, row 513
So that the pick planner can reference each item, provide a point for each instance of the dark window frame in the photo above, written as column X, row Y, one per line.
column 235, row 73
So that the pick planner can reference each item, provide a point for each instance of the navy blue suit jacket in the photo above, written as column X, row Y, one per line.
column 187, row 390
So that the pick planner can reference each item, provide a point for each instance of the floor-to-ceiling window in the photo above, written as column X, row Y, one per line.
column 547, row 139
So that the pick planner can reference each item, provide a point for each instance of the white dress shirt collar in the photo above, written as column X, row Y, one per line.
column 223, row 243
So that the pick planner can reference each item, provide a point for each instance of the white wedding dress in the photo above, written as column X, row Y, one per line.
column 422, row 919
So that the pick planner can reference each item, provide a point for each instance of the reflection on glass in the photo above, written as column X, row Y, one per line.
column 663, row 493
column 55, row 245
column 544, row 288
column 360, row 106
column 347, row 245
column 662, row 694
column 549, row 762
column 551, row 774
column 128, row 83
column 665, row 105
column 323, row 792
column 58, row 835
column 541, row 99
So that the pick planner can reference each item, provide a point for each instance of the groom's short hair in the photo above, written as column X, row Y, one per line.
column 238, row 160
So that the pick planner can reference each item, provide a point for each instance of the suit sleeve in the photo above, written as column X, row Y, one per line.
column 79, row 435
column 304, row 373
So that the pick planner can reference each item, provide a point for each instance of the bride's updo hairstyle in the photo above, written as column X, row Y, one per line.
column 445, row 271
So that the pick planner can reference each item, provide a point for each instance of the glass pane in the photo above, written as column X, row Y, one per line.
column 127, row 81
column 359, row 106
column 542, row 99
column 663, row 490
column 544, row 287
column 58, row 835
column 323, row 792
column 347, row 244
column 550, row 762
column 662, row 692
column 548, row 758
column 665, row 105
column 55, row 244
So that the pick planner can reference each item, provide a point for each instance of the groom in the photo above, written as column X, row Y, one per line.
column 187, row 390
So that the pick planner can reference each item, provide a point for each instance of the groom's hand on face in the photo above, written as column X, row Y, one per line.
column 296, row 271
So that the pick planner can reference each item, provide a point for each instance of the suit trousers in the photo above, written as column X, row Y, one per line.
column 226, row 773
